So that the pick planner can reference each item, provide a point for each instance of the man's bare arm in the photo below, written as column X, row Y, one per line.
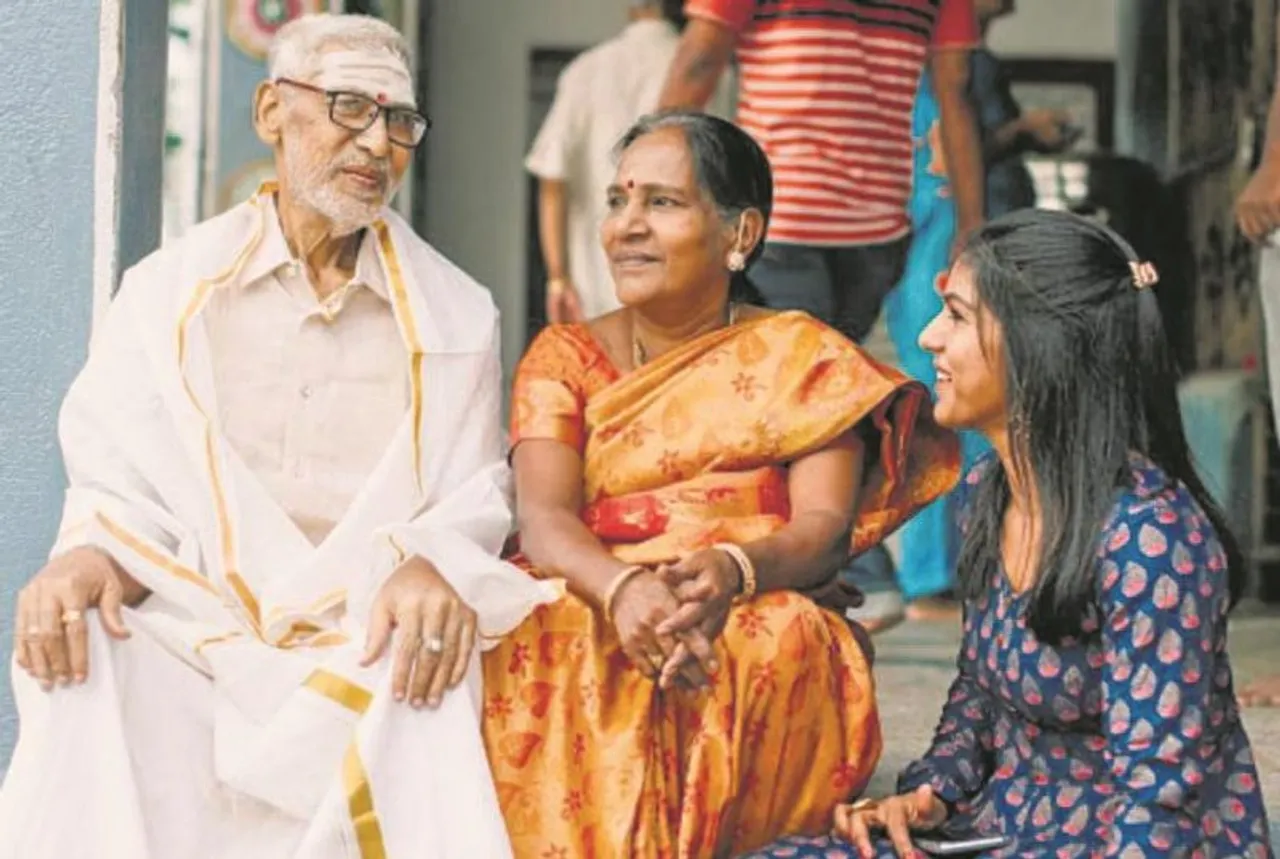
column 704, row 51
column 1271, row 148
column 563, row 302
column 552, row 225
column 1258, row 207
column 961, row 141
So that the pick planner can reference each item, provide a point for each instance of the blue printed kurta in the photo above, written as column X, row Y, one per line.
column 1127, row 742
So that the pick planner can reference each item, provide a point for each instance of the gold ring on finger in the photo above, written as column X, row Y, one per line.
column 72, row 615
column 433, row 645
column 864, row 805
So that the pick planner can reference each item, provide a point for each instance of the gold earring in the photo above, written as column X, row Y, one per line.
column 737, row 262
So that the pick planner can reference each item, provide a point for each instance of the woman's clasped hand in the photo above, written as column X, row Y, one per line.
column 669, row 617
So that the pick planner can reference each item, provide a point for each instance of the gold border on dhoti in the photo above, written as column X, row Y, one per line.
column 320, row 605
column 149, row 554
column 409, row 331
column 216, row 639
column 226, row 533
column 340, row 690
column 355, row 780
column 324, row 638
column 364, row 819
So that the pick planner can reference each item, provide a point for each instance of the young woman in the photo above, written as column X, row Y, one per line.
column 1093, row 713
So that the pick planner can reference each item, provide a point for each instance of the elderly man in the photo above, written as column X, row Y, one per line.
column 287, row 493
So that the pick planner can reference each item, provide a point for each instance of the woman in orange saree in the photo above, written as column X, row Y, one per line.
column 695, row 489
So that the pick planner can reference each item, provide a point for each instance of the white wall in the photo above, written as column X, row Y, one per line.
column 1083, row 29
column 479, row 106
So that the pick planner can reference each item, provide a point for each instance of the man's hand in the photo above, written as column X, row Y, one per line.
column 1258, row 208
column 436, row 632
column 51, row 636
column 563, row 303
column 961, row 142
column 1046, row 128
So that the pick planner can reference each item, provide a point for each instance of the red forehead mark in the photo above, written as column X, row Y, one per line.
column 631, row 183
column 382, row 98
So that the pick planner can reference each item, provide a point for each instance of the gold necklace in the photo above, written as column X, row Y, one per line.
column 639, row 357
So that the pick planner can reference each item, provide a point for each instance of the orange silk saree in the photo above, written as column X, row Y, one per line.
column 589, row 757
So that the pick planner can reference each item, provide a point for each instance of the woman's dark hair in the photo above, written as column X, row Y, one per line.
column 1090, row 380
column 731, row 169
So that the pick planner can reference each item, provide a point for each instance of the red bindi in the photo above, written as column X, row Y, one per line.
column 382, row 98
column 631, row 183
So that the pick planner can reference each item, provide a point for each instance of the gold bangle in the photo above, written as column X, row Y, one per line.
column 556, row 286
column 619, row 580
column 745, row 567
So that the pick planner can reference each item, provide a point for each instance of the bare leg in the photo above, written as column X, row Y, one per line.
column 1264, row 692
column 934, row 609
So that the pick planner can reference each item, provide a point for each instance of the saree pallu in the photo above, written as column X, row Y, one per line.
column 590, row 758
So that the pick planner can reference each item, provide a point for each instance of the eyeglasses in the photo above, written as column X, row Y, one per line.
column 357, row 112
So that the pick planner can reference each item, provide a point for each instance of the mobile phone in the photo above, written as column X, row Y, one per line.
column 968, row 847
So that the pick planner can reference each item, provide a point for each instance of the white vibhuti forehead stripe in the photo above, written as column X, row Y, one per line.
column 381, row 75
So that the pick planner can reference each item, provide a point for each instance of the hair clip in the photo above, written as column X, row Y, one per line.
column 1144, row 274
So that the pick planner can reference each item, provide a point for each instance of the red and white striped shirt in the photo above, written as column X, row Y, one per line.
column 827, row 89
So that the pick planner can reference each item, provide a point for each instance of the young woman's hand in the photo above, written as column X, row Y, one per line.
column 898, row 816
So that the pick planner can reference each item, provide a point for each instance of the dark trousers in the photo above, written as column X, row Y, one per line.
column 845, row 287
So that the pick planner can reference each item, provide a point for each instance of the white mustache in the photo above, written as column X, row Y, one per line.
column 361, row 164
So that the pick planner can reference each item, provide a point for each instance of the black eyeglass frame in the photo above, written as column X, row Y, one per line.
column 380, row 110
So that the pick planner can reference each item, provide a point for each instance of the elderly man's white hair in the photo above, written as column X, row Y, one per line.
column 298, row 45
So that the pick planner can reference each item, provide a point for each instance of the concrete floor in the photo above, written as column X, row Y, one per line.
column 915, row 664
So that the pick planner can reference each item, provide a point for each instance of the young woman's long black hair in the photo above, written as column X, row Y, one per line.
column 1089, row 379
column 731, row 169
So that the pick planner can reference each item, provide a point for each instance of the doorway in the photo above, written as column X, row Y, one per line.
column 545, row 67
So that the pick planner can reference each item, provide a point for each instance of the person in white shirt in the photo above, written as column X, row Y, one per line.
column 256, row 635
column 1258, row 217
column 598, row 97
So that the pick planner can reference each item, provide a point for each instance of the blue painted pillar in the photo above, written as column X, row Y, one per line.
column 49, row 99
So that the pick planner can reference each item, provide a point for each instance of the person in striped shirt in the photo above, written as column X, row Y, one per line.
column 827, row 88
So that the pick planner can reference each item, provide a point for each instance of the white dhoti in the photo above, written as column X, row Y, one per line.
column 237, row 721
column 124, row 766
